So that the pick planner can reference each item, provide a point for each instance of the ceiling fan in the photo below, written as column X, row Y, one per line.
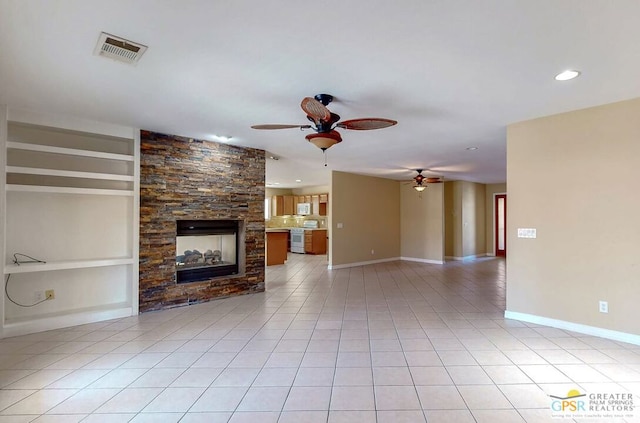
column 324, row 122
column 422, row 181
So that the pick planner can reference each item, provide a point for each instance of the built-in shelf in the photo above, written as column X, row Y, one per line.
column 64, row 265
column 68, row 190
column 71, row 190
column 68, row 173
column 68, row 151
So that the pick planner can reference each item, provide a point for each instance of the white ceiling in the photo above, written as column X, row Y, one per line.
column 453, row 73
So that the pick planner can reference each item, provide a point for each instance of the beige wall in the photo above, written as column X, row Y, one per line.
column 473, row 219
column 464, row 217
column 492, row 189
column 369, row 209
column 574, row 177
column 270, row 192
column 452, row 220
column 317, row 189
column 422, row 223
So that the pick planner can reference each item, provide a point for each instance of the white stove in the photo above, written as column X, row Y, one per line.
column 297, row 236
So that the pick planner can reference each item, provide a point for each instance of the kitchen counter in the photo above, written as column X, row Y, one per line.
column 276, row 246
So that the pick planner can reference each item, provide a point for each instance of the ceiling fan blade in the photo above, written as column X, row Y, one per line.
column 278, row 126
column 433, row 180
column 315, row 109
column 366, row 124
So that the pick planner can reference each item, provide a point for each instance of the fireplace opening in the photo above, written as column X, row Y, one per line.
column 206, row 249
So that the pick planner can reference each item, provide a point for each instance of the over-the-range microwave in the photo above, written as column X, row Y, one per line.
column 304, row 208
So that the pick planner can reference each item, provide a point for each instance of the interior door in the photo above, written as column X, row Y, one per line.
column 501, row 225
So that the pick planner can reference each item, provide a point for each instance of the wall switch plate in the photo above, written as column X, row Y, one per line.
column 373, row 252
column 603, row 307
column 339, row 226
column 527, row 233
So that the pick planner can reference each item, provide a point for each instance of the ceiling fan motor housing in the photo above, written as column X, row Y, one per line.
column 325, row 99
column 325, row 126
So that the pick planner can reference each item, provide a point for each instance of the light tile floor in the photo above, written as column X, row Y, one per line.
column 396, row 342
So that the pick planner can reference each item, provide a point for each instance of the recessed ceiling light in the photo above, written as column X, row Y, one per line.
column 298, row 180
column 221, row 138
column 471, row 148
column 567, row 75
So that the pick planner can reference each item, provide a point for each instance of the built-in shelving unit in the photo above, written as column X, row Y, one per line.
column 70, row 198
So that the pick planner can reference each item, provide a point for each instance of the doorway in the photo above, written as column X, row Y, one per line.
column 500, row 235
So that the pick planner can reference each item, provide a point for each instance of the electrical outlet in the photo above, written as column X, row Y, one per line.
column 373, row 252
column 50, row 294
column 603, row 307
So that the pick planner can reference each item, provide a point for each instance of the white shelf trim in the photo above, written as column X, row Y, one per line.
column 64, row 265
column 68, row 151
column 68, row 173
column 69, row 190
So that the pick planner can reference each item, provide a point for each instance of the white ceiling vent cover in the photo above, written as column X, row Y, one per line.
column 119, row 49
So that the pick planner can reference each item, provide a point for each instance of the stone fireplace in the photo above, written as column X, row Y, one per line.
column 206, row 249
column 189, row 187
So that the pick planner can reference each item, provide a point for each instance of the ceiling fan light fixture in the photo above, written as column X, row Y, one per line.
column 324, row 140
column 567, row 75
column 420, row 188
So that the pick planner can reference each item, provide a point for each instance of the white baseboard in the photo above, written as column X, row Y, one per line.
column 361, row 263
column 471, row 257
column 574, row 327
column 421, row 260
column 89, row 315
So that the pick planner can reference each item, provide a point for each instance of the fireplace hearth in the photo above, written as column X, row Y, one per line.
column 206, row 249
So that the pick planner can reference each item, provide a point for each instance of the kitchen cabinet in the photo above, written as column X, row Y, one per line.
column 315, row 241
column 288, row 205
column 276, row 246
column 323, row 201
column 277, row 205
column 282, row 205
column 315, row 204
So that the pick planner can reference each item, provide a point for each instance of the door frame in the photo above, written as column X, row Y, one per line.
column 494, row 220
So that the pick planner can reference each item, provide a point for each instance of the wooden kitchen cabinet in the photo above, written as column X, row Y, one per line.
column 288, row 205
column 315, row 204
column 277, row 205
column 323, row 201
column 282, row 205
column 315, row 241
column 276, row 247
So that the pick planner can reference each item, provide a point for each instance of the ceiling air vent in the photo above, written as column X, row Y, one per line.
column 119, row 49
